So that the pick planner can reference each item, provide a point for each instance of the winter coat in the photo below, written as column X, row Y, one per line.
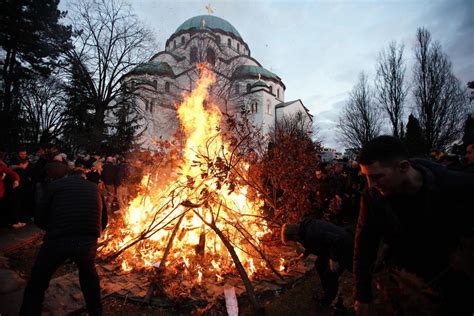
column 327, row 240
column 109, row 173
column 71, row 207
column 5, row 171
column 420, row 237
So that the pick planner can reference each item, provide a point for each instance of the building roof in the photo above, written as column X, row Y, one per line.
column 285, row 104
column 254, row 71
column 211, row 22
column 153, row 68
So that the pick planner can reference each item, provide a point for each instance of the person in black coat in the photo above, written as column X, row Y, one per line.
column 73, row 214
column 331, row 243
column 420, row 210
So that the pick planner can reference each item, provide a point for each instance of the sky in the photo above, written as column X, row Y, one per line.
column 319, row 48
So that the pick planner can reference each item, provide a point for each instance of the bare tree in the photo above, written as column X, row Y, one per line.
column 360, row 118
column 109, row 42
column 43, row 109
column 440, row 101
column 389, row 82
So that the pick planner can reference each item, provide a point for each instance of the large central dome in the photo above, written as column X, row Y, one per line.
column 211, row 22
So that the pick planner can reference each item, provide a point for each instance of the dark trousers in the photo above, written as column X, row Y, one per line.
column 53, row 253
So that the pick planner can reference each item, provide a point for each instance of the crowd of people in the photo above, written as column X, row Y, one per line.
column 411, row 215
column 25, row 177
column 418, row 209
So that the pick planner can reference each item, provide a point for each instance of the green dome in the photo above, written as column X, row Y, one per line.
column 153, row 68
column 253, row 71
column 211, row 22
column 260, row 83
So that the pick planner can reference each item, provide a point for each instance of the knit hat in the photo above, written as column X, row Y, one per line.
column 289, row 232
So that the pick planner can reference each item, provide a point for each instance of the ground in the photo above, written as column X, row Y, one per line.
column 298, row 299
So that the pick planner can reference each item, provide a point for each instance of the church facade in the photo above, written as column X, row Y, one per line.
column 241, row 81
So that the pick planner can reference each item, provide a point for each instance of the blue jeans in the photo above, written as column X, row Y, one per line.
column 53, row 253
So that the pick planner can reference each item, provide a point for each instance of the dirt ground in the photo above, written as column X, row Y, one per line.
column 296, row 300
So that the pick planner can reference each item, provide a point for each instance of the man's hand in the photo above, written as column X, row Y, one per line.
column 15, row 184
column 361, row 309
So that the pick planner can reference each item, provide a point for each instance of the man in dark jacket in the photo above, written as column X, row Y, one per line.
column 73, row 214
column 420, row 210
column 332, row 244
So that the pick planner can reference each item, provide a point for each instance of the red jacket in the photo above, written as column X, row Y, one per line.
column 5, row 170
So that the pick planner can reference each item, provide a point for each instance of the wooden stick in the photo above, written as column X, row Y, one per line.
column 162, row 267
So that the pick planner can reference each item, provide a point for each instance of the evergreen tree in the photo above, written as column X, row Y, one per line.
column 79, row 117
column 414, row 139
column 32, row 40
column 125, row 130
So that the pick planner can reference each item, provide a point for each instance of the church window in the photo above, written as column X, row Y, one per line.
column 174, row 44
column 237, row 89
column 155, row 84
column 146, row 105
column 255, row 107
column 278, row 93
column 218, row 40
column 268, row 108
column 271, row 89
column 167, row 87
column 194, row 55
column 211, row 56
column 238, row 47
column 229, row 43
column 249, row 87
column 182, row 40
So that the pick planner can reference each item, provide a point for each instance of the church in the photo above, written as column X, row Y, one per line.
column 241, row 81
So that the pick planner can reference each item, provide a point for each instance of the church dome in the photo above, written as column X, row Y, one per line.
column 249, row 71
column 211, row 23
column 260, row 83
column 153, row 68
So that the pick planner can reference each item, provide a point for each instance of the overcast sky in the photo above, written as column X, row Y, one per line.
column 318, row 48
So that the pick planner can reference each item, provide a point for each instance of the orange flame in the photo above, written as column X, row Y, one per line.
column 155, row 214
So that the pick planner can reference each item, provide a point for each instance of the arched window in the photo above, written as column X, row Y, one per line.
column 278, row 93
column 237, row 89
column 194, row 55
column 268, row 108
column 174, row 44
column 238, row 47
column 146, row 105
column 152, row 105
column 254, row 107
column 249, row 87
column 167, row 87
column 229, row 43
column 182, row 40
column 210, row 56
column 271, row 89
column 218, row 40
column 155, row 84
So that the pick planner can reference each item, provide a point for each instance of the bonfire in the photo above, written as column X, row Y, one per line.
column 200, row 222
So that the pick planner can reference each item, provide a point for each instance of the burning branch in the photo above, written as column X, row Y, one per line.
column 240, row 268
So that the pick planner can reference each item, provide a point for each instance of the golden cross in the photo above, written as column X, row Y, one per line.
column 209, row 9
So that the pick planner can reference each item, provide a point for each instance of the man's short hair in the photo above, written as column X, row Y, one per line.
column 289, row 232
column 384, row 149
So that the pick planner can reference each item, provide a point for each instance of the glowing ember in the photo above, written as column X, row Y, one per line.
column 180, row 213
